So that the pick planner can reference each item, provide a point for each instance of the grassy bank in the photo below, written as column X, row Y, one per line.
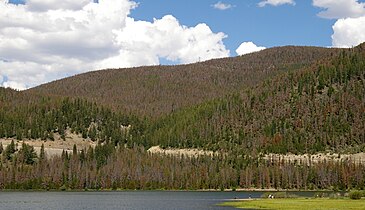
column 299, row 204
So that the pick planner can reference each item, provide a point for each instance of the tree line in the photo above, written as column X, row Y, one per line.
column 110, row 167
column 318, row 108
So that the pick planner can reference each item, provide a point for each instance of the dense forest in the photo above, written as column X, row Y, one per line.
column 315, row 109
column 50, row 116
column 299, row 100
column 107, row 167
column 159, row 90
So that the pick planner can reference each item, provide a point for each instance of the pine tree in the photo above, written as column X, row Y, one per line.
column 28, row 153
column 1, row 147
column 74, row 150
column 10, row 150
column 42, row 154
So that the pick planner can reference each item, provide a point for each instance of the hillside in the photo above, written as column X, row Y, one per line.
column 315, row 109
column 156, row 90
column 303, row 105
column 279, row 101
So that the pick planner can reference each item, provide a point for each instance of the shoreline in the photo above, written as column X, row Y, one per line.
column 160, row 190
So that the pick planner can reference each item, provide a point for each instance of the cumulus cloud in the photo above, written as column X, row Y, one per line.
column 275, row 2
column 349, row 29
column 336, row 9
column 222, row 6
column 348, row 32
column 44, row 5
column 167, row 38
column 14, row 85
column 44, row 40
column 248, row 47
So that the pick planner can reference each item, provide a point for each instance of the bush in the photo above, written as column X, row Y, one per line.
column 321, row 195
column 335, row 195
column 355, row 195
column 279, row 195
column 63, row 188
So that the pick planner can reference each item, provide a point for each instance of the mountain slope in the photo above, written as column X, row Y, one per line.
column 318, row 108
column 308, row 106
column 157, row 90
column 300, row 107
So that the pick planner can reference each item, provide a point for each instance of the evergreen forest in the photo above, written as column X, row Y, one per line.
column 287, row 100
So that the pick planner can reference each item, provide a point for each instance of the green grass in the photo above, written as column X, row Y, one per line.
column 299, row 204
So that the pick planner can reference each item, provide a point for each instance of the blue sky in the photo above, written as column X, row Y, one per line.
column 265, row 26
column 45, row 40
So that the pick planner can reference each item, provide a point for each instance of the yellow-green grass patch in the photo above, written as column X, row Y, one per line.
column 299, row 204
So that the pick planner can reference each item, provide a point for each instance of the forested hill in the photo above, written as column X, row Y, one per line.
column 156, row 90
column 314, row 109
column 302, row 104
column 283, row 100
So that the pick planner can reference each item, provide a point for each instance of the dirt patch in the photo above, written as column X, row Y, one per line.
column 320, row 157
column 179, row 152
column 55, row 147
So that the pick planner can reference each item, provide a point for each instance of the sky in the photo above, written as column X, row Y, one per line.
column 46, row 40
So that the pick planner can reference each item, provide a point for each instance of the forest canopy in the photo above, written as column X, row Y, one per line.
column 297, row 100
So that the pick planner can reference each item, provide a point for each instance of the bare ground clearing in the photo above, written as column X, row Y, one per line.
column 55, row 147
column 58, row 145
column 304, row 159
column 319, row 157
column 179, row 152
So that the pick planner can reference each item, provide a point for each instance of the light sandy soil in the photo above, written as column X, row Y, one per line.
column 179, row 152
column 358, row 158
column 58, row 145
column 55, row 147
column 304, row 159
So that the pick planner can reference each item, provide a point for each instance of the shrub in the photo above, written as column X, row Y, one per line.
column 355, row 195
column 279, row 195
column 63, row 188
column 335, row 195
column 321, row 195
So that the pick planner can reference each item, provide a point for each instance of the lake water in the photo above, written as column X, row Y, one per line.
column 131, row 200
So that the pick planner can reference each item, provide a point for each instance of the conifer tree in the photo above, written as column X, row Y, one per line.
column 10, row 150
column 74, row 150
column 42, row 154
column 28, row 154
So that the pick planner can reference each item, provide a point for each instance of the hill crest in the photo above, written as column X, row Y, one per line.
column 159, row 90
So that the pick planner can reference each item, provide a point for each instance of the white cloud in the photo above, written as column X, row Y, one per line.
column 248, row 47
column 348, row 32
column 44, row 5
column 275, row 2
column 29, row 74
column 222, row 6
column 14, row 85
column 336, row 9
column 46, row 40
column 167, row 38
column 349, row 29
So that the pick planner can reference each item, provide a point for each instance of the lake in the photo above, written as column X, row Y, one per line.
column 131, row 200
